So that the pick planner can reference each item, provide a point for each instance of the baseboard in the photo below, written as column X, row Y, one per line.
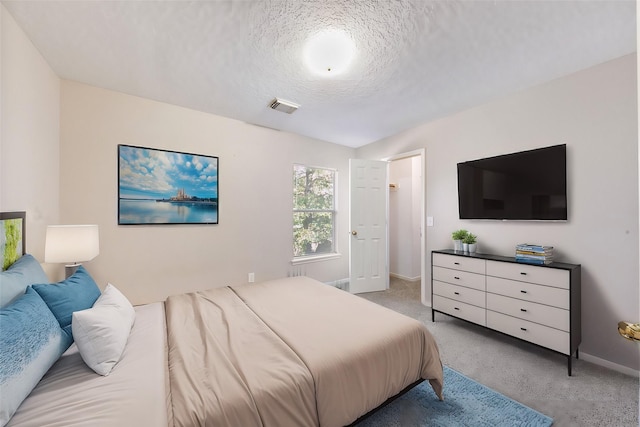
column 610, row 365
column 344, row 283
column 408, row 279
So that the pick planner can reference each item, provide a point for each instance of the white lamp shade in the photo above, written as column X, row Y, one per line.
column 71, row 243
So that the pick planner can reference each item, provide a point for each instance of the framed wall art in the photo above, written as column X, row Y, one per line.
column 12, row 237
column 166, row 187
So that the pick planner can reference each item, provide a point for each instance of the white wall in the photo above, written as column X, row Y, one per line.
column 30, row 134
column 254, row 233
column 595, row 113
column 404, row 218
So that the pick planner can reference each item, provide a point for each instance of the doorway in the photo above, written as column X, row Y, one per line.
column 406, row 224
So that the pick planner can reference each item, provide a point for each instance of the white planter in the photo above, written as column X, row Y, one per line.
column 465, row 247
column 472, row 247
column 457, row 245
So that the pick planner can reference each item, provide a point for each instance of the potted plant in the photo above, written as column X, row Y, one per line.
column 469, row 243
column 458, row 236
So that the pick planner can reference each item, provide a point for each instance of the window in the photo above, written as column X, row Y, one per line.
column 314, row 211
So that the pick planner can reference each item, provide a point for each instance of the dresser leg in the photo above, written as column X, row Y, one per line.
column 577, row 354
column 569, row 365
column 433, row 316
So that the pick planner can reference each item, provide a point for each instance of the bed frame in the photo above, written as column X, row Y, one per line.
column 386, row 402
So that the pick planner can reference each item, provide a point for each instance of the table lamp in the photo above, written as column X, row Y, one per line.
column 71, row 244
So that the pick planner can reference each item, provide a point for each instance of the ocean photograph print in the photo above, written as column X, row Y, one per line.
column 166, row 187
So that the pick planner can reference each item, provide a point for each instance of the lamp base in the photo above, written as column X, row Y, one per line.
column 69, row 269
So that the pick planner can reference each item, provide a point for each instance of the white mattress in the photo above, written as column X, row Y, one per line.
column 134, row 394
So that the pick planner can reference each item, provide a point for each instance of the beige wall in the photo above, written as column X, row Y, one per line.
column 30, row 134
column 595, row 113
column 255, row 229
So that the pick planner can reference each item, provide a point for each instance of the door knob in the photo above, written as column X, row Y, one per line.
column 354, row 233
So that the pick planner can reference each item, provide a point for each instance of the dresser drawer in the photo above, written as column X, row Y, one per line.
column 457, row 277
column 529, row 273
column 472, row 265
column 538, row 313
column 548, row 295
column 459, row 309
column 459, row 293
column 529, row 331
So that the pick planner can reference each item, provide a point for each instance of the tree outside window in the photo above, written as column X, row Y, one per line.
column 313, row 211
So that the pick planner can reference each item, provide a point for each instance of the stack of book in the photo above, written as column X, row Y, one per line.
column 534, row 254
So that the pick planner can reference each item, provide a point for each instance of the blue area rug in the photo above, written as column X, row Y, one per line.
column 466, row 403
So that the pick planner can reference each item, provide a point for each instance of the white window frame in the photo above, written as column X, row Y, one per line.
column 303, row 259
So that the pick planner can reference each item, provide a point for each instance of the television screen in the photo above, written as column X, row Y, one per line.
column 529, row 185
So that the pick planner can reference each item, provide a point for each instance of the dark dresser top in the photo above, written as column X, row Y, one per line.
column 559, row 265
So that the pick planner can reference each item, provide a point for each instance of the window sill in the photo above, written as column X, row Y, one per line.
column 315, row 258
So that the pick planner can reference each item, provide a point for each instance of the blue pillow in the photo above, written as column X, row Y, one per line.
column 30, row 343
column 77, row 292
column 22, row 273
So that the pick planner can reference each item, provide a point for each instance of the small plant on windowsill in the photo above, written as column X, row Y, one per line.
column 457, row 237
column 469, row 243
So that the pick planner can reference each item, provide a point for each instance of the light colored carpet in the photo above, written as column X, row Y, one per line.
column 592, row 396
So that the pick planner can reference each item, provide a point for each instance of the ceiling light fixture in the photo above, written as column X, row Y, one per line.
column 329, row 53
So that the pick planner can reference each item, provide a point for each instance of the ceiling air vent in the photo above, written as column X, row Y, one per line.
column 284, row 106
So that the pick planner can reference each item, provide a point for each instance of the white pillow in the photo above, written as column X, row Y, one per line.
column 101, row 332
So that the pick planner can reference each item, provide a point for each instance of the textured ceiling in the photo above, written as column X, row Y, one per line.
column 416, row 60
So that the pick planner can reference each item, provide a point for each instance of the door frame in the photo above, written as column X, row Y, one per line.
column 423, row 196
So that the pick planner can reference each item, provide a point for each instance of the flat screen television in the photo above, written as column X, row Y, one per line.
column 529, row 185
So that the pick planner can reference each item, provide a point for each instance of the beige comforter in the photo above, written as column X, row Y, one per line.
column 226, row 368
column 290, row 352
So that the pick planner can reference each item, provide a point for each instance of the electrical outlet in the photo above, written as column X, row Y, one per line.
column 252, row 277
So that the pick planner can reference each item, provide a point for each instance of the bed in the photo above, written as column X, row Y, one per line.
column 286, row 352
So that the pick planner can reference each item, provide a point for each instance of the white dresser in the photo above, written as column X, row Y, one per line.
column 536, row 303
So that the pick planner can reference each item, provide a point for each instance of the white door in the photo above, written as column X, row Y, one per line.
column 368, row 248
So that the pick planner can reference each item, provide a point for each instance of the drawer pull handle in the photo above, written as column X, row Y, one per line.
column 456, row 263
column 524, row 292
column 457, row 293
column 523, row 329
column 523, row 273
column 456, row 277
column 456, row 308
column 523, row 309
